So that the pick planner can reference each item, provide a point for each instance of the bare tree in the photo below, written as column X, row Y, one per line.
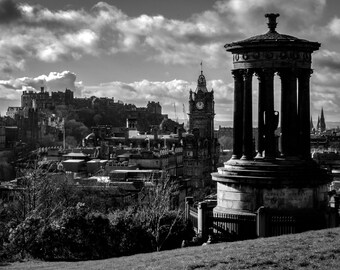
column 157, row 211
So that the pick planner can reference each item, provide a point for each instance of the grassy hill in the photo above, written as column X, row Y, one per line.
column 310, row 250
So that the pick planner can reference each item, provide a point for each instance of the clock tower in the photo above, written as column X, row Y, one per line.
column 200, row 147
column 201, row 110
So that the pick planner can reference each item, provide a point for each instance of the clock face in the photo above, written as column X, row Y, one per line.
column 200, row 105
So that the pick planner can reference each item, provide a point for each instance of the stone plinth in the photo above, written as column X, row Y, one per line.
column 244, row 186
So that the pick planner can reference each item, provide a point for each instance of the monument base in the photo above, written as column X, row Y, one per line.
column 245, row 186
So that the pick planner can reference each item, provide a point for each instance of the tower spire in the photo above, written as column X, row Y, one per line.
column 311, row 124
column 322, row 121
column 201, row 82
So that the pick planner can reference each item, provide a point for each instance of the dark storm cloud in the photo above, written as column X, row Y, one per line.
column 9, row 11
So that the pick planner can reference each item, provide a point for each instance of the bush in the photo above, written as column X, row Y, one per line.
column 137, row 232
column 77, row 235
column 181, row 230
column 130, row 235
column 24, row 238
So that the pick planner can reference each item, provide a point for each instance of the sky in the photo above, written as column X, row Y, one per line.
column 151, row 50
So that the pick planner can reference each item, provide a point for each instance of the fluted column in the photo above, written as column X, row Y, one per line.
column 304, row 112
column 289, row 133
column 238, row 114
column 247, row 150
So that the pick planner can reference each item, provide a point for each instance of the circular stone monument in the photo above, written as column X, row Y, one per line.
column 275, row 177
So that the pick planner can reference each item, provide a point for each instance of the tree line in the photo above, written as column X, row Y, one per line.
column 51, row 220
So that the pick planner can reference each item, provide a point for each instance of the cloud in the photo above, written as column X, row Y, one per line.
column 247, row 15
column 334, row 27
column 326, row 59
column 48, row 35
column 65, row 35
column 54, row 81
column 9, row 11
column 325, row 83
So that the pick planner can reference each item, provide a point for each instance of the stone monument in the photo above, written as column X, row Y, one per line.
column 278, row 173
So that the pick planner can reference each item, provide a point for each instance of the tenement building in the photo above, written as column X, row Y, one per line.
column 272, row 178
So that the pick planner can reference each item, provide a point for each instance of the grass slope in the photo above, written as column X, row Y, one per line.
column 310, row 250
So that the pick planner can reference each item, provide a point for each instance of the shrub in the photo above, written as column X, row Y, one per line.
column 135, row 231
column 130, row 235
column 24, row 238
column 77, row 235
column 181, row 230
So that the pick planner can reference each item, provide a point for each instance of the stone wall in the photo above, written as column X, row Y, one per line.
column 238, row 197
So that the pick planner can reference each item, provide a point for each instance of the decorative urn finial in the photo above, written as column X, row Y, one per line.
column 272, row 21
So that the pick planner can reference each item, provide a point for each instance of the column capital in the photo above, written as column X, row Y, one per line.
column 265, row 73
column 283, row 72
column 237, row 73
column 304, row 72
column 248, row 73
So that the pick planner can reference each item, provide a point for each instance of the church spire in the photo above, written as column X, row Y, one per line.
column 311, row 124
column 322, row 121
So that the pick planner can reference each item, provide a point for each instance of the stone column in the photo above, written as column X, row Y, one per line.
column 238, row 114
column 294, row 138
column 270, row 121
column 261, row 222
column 261, row 110
column 284, row 112
column 202, row 219
column 247, row 151
column 304, row 112
column 289, row 132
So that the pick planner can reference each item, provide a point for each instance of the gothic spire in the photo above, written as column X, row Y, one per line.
column 322, row 121
column 311, row 124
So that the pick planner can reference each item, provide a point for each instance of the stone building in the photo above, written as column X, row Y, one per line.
column 43, row 99
column 28, row 125
column 143, row 118
column 154, row 107
column 12, row 111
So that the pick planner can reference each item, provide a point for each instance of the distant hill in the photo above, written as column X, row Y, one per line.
column 310, row 250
